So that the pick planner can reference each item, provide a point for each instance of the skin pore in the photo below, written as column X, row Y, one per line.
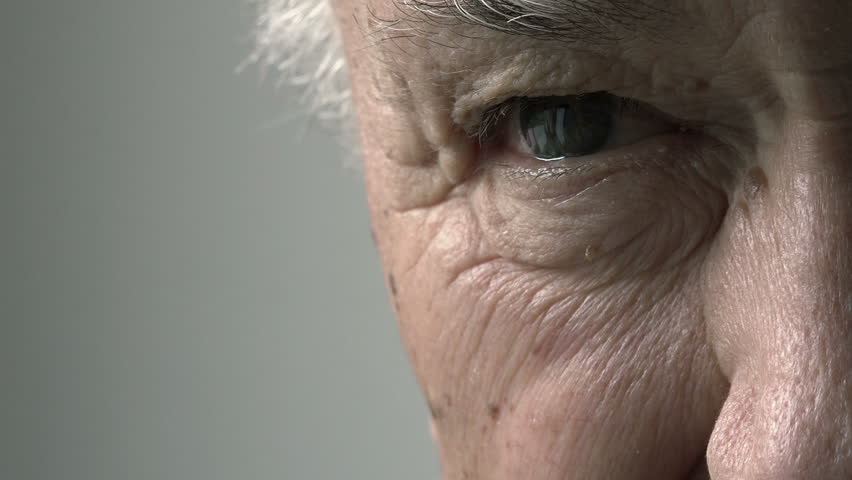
column 675, row 305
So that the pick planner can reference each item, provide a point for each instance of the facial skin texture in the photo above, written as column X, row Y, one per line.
column 634, row 310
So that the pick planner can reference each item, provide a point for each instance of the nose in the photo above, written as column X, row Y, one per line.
column 779, row 312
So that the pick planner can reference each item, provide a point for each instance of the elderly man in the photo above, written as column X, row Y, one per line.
column 616, row 232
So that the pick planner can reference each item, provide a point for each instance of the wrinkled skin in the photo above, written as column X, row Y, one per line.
column 685, row 297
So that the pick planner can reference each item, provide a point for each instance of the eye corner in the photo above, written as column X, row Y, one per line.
column 491, row 122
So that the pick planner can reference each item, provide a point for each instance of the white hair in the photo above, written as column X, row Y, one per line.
column 299, row 41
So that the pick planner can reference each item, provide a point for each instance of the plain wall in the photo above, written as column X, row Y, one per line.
column 188, row 289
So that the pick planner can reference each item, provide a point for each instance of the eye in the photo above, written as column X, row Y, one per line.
column 561, row 181
column 551, row 129
column 565, row 127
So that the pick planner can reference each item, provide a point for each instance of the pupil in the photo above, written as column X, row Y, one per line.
column 567, row 126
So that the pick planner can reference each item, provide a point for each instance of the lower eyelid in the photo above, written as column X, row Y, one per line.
column 524, row 177
column 551, row 215
column 636, row 127
column 552, row 183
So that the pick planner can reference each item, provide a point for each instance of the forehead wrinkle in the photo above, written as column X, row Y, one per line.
column 562, row 20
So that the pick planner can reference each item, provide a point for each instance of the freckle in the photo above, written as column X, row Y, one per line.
column 755, row 182
column 436, row 412
column 694, row 85
column 392, row 285
column 385, row 212
column 742, row 206
column 591, row 253
column 494, row 411
column 536, row 350
column 448, row 400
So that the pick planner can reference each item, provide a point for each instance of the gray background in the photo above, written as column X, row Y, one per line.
column 188, row 289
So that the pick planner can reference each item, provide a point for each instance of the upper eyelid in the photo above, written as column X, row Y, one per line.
column 493, row 117
column 533, row 73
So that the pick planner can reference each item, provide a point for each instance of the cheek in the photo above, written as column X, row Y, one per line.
column 533, row 319
column 522, row 368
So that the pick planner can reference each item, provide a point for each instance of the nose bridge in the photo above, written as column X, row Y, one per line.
column 781, row 316
column 791, row 242
column 803, row 232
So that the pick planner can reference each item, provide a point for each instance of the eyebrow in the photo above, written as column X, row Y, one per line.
column 562, row 20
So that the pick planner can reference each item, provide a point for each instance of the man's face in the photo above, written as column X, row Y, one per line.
column 617, row 233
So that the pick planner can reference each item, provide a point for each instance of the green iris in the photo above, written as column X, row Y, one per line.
column 564, row 127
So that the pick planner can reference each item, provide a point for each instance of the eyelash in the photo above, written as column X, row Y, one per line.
column 492, row 119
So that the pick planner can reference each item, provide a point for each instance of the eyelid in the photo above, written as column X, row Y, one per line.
column 491, row 118
column 502, row 144
column 532, row 71
column 497, row 119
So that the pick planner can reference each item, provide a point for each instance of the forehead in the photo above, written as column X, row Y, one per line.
column 479, row 52
column 666, row 24
column 565, row 20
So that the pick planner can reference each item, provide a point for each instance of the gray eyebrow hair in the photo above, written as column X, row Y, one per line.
column 565, row 20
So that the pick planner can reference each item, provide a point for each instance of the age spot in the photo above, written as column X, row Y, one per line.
column 394, row 293
column 392, row 285
column 591, row 253
column 755, row 182
column 436, row 412
column 494, row 411
column 694, row 85
column 391, row 154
